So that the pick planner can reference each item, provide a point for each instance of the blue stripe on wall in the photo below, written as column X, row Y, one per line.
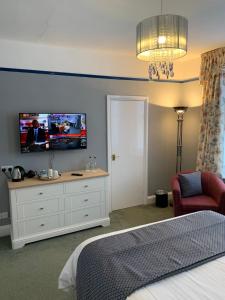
column 90, row 75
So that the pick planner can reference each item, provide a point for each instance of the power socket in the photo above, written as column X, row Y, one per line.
column 7, row 169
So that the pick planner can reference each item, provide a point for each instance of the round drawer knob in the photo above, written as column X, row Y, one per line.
column 40, row 193
column 41, row 208
column 86, row 186
column 85, row 200
column 86, row 215
column 42, row 225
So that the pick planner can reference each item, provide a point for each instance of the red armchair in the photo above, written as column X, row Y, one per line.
column 213, row 197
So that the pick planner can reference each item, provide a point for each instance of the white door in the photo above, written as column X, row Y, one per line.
column 127, row 150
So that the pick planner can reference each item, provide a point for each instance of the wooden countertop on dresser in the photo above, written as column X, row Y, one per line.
column 65, row 177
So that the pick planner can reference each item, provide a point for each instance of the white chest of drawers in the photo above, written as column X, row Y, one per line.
column 41, row 210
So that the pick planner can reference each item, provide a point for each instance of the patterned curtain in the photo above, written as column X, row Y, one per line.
column 212, row 131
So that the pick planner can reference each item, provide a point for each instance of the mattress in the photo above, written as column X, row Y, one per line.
column 203, row 282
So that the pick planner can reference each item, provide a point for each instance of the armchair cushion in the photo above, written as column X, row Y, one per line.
column 200, row 202
column 190, row 184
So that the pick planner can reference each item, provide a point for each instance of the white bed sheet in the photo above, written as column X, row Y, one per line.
column 206, row 282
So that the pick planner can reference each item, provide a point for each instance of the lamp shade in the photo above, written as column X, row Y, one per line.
column 162, row 38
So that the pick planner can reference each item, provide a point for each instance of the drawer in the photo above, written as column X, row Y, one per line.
column 40, row 225
column 74, row 202
column 40, row 208
column 41, row 192
column 80, row 186
column 83, row 215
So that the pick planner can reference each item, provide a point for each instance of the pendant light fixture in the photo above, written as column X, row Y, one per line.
column 160, row 40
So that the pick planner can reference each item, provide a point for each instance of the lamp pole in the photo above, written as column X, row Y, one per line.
column 180, row 110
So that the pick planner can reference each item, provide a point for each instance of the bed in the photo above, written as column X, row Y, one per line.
column 204, row 280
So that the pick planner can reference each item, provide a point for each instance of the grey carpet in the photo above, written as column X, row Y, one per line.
column 31, row 273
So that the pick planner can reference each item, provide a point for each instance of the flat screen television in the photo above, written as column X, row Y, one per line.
column 48, row 131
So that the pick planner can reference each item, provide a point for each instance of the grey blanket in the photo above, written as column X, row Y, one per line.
column 114, row 267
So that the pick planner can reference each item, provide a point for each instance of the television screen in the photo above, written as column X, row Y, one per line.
column 42, row 132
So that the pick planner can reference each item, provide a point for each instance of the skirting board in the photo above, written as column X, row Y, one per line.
column 151, row 198
column 4, row 230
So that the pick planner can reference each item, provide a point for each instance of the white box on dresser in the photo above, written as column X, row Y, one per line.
column 44, row 209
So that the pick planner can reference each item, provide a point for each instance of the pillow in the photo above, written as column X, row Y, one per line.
column 190, row 184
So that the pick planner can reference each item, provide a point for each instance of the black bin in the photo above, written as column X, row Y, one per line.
column 161, row 198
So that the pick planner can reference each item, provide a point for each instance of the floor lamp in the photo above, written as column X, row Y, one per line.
column 180, row 110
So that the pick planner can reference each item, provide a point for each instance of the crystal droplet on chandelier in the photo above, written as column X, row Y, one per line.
column 157, row 70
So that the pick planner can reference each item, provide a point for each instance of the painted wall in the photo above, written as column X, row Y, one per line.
column 162, row 144
column 49, row 93
column 36, row 56
column 185, row 94
column 191, row 94
column 187, row 68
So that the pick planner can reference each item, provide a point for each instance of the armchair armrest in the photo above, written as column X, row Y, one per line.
column 176, row 195
column 214, row 187
column 176, row 187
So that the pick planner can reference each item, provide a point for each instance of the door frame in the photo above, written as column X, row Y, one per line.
column 145, row 99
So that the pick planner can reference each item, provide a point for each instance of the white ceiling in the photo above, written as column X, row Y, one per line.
column 108, row 25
